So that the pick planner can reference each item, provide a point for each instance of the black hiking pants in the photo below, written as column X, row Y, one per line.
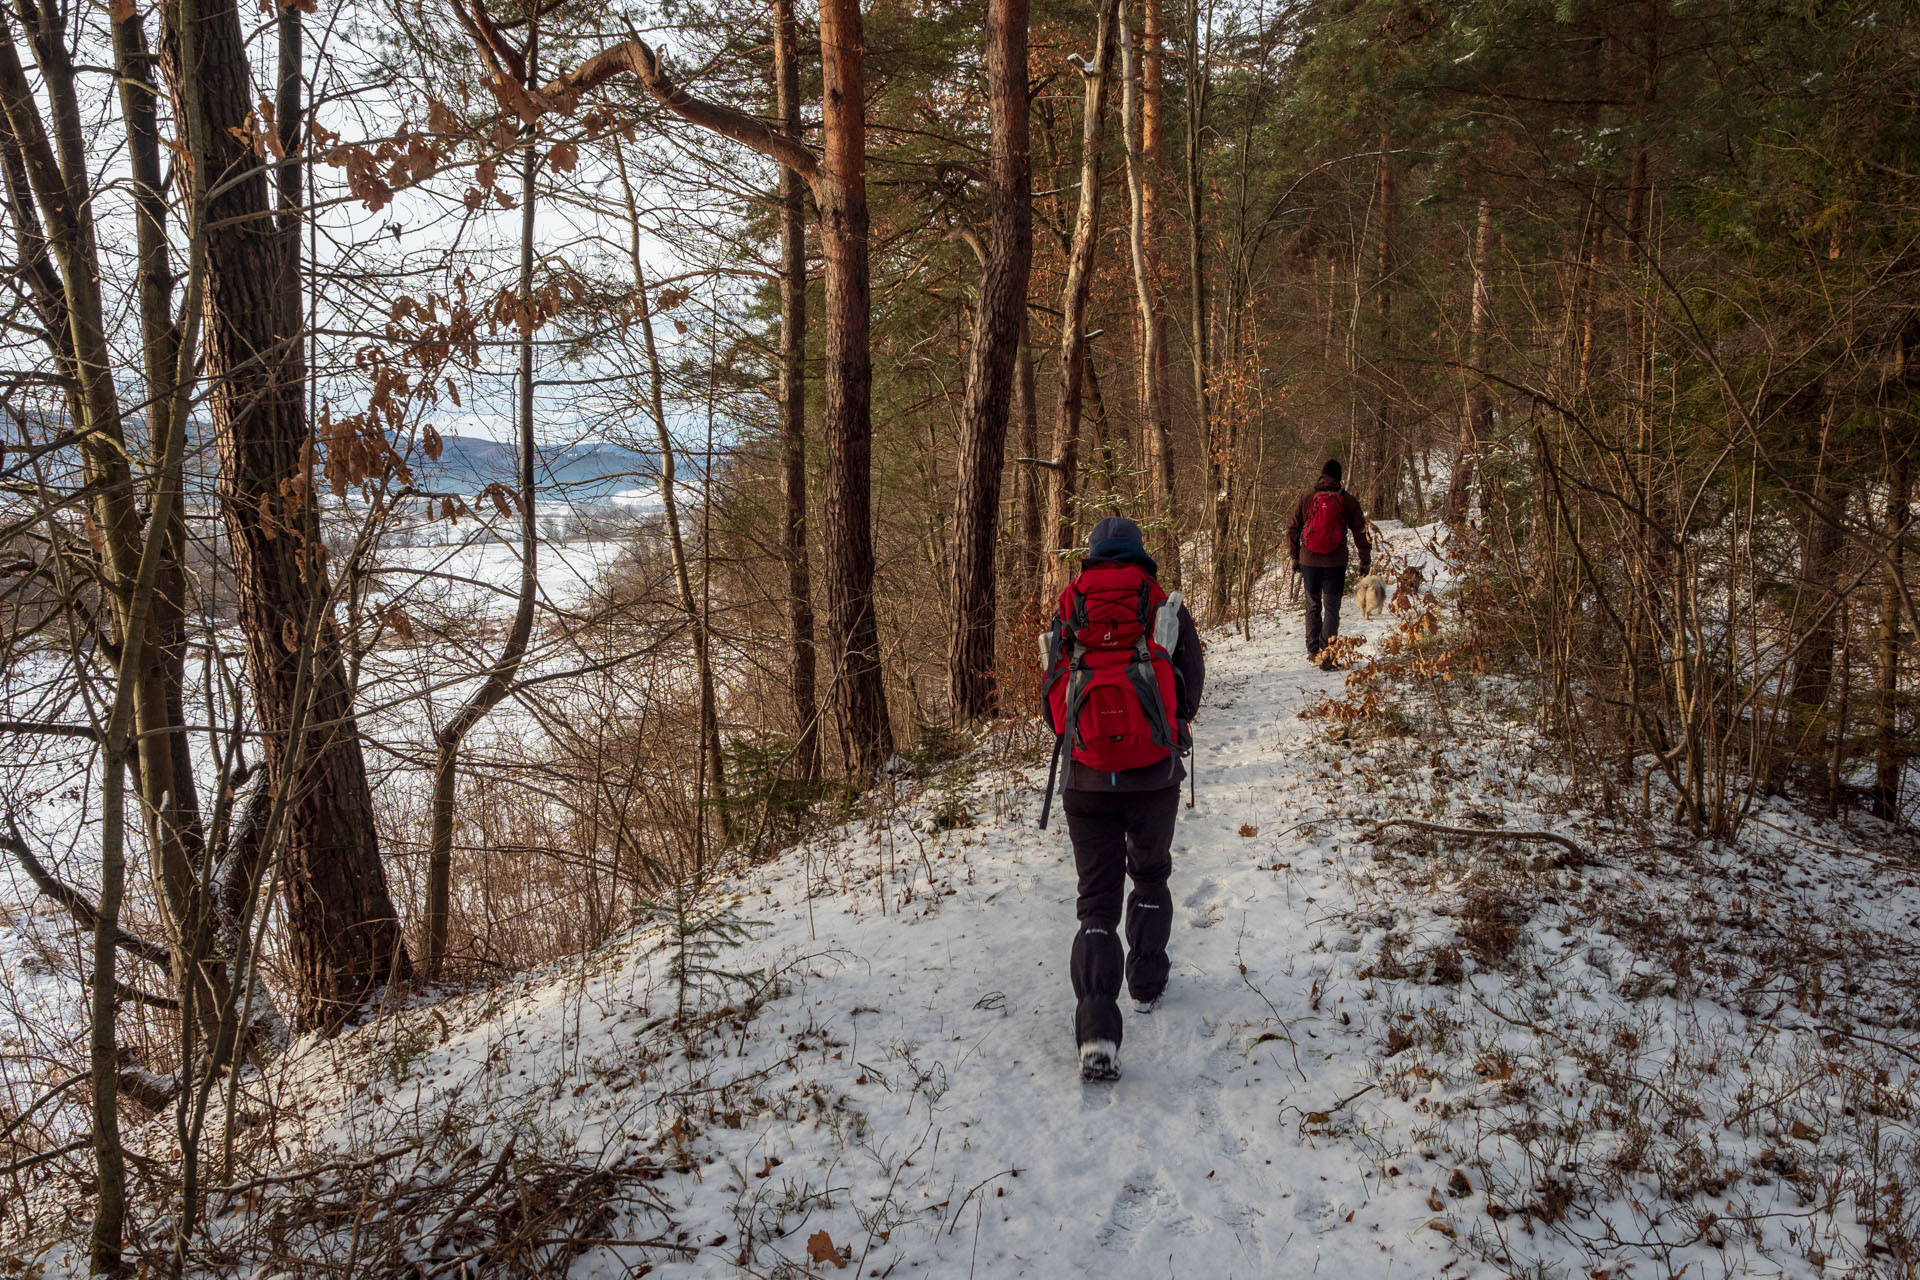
column 1117, row 834
column 1323, row 589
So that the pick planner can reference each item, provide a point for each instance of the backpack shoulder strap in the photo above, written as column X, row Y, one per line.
column 1075, row 598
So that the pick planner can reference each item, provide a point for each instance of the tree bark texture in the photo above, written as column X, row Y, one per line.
column 997, row 330
column 861, row 698
column 343, row 933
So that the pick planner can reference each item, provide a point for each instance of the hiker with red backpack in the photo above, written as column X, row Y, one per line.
column 1317, row 539
column 1123, row 680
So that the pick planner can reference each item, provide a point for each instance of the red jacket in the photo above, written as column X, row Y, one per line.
column 1354, row 518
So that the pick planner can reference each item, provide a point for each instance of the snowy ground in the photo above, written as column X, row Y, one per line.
column 456, row 572
column 1376, row 1058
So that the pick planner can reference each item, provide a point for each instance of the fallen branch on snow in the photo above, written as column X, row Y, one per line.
column 1479, row 833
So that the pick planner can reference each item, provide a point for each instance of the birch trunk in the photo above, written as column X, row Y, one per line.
column 1062, row 482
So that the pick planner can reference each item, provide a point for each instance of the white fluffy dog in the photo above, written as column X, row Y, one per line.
column 1370, row 594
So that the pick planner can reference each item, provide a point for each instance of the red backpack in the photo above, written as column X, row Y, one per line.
column 1326, row 530
column 1109, row 686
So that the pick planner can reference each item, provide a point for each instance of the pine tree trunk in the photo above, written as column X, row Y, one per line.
column 793, row 403
column 997, row 331
column 343, row 933
column 1063, row 479
column 866, row 735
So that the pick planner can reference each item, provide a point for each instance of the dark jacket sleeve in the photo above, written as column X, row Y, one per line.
column 1294, row 526
column 1189, row 668
column 1357, row 526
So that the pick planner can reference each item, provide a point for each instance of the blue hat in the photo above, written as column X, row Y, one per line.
column 1117, row 539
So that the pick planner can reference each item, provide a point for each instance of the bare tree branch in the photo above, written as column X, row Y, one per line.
column 635, row 56
column 74, row 901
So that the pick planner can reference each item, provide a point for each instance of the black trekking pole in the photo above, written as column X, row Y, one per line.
column 1053, row 770
column 1193, row 782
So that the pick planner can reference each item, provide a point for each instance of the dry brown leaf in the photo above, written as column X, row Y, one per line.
column 820, row 1248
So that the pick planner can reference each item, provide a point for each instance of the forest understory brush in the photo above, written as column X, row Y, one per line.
column 1633, row 1043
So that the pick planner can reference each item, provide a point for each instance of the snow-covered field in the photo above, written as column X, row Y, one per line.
column 463, row 570
column 1379, row 1055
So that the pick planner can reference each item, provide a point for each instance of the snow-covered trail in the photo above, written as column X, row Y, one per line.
column 1373, row 1060
column 912, row 1090
column 1196, row 1162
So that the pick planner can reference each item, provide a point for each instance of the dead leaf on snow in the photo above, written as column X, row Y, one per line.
column 820, row 1248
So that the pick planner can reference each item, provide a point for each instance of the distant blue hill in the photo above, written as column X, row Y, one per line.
column 589, row 471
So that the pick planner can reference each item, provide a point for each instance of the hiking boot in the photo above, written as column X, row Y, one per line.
column 1099, row 1061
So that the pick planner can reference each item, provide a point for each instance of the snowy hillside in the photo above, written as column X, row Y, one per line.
column 1379, row 1055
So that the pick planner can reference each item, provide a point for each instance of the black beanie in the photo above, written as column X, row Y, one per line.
column 1117, row 539
column 1332, row 469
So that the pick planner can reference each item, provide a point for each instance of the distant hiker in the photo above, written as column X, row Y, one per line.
column 1123, row 679
column 1317, row 539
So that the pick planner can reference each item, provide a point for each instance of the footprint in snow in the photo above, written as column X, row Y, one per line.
column 1205, row 1093
column 1204, row 900
column 1146, row 1200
